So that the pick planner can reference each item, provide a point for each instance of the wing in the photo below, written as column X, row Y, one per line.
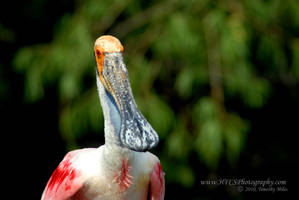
column 157, row 185
column 65, row 181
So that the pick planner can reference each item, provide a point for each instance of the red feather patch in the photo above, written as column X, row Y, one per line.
column 62, row 183
column 123, row 178
column 62, row 171
column 157, row 184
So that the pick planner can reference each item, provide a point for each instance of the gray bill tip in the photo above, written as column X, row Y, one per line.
column 137, row 134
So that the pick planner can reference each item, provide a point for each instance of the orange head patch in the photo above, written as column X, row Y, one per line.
column 106, row 44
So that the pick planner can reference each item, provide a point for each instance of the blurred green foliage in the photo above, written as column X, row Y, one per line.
column 187, row 61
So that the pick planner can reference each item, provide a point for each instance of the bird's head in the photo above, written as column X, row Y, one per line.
column 133, row 131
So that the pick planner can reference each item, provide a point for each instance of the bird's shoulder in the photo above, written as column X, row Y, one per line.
column 70, row 175
column 145, row 161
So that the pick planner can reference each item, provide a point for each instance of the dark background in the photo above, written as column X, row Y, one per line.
column 34, row 142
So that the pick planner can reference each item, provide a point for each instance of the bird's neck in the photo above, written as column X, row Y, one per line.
column 111, row 116
column 113, row 152
column 114, row 156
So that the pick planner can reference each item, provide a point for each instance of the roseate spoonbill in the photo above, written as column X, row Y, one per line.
column 121, row 169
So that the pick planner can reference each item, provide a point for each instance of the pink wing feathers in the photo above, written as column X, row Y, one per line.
column 157, row 185
column 65, row 181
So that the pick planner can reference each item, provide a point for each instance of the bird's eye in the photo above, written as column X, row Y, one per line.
column 98, row 53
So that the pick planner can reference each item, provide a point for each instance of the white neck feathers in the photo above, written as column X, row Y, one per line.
column 111, row 119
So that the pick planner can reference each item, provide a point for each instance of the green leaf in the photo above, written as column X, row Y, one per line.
column 209, row 143
column 295, row 60
column 158, row 114
column 235, row 134
column 178, row 140
column 184, row 82
column 204, row 110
